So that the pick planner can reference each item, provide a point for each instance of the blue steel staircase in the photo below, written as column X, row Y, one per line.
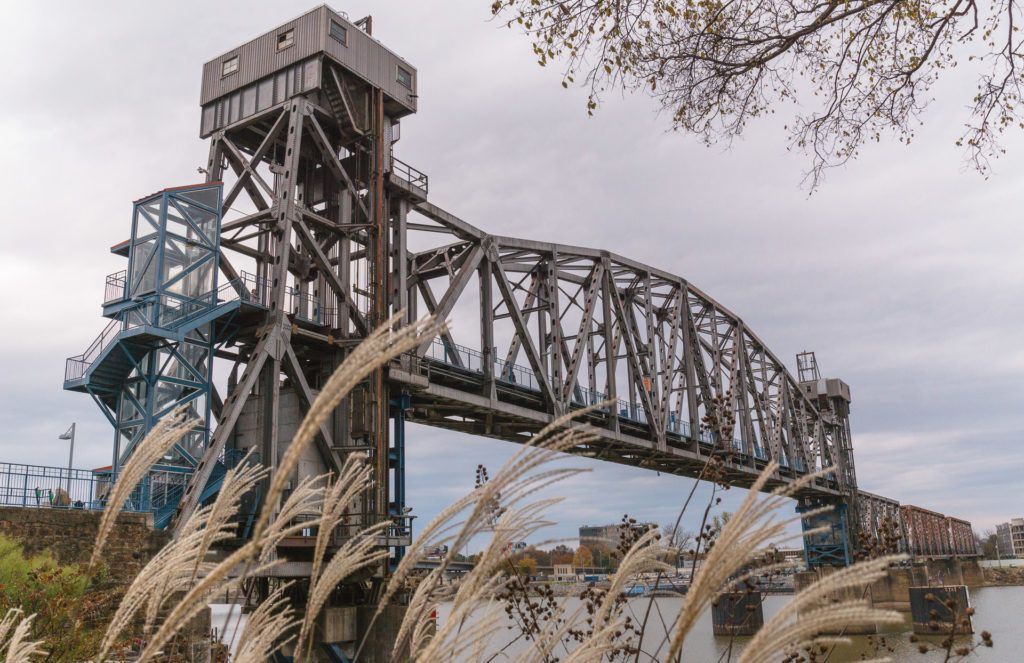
column 102, row 369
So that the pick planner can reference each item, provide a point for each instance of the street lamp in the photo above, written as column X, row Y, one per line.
column 69, row 435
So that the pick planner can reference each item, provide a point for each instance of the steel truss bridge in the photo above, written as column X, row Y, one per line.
column 323, row 234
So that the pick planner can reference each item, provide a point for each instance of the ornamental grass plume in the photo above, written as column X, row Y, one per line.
column 303, row 507
column 380, row 347
column 267, row 629
column 814, row 610
column 179, row 581
column 19, row 649
column 743, row 538
column 250, row 560
column 359, row 552
column 165, row 434
column 177, row 566
column 484, row 511
column 352, row 481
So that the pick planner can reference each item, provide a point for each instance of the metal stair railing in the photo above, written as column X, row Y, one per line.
column 182, row 311
column 76, row 366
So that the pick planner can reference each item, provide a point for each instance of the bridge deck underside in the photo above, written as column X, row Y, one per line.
column 453, row 398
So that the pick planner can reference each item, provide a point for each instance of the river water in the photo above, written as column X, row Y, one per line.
column 999, row 610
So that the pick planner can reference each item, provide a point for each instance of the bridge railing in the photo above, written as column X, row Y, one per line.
column 460, row 356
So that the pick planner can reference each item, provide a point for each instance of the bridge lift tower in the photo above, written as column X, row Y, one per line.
column 832, row 398
column 302, row 215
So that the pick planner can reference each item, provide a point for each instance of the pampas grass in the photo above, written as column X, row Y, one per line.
column 179, row 581
column 307, row 498
column 520, row 477
column 749, row 530
column 266, row 629
column 165, row 434
column 813, row 611
column 380, row 347
column 175, row 568
column 17, row 644
column 352, row 481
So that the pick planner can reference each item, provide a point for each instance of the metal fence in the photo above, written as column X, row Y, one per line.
column 59, row 487
column 114, row 290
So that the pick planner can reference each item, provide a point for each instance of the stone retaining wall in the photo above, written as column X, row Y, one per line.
column 69, row 534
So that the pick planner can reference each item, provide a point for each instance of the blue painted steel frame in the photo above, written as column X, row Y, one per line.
column 831, row 548
column 147, row 370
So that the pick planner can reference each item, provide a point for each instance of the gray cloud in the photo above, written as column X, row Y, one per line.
column 903, row 272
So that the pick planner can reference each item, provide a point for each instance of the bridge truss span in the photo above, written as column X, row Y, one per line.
column 562, row 327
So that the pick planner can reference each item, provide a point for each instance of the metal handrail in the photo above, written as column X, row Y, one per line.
column 176, row 311
column 414, row 177
column 76, row 366
column 116, row 287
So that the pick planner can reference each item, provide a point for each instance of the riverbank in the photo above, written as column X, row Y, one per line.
column 1007, row 576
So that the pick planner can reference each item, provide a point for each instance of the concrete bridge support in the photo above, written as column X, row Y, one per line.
column 940, row 610
column 895, row 591
column 341, row 630
column 737, row 613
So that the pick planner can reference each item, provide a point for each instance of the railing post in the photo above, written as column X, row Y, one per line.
column 24, row 490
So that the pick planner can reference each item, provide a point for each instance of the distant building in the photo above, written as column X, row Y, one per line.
column 607, row 535
column 564, row 572
column 1010, row 538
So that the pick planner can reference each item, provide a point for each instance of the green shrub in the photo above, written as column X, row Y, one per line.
column 70, row 611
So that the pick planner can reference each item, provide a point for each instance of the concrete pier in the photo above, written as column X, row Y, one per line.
column 940, row 610
column 894, row 590
column 737, row 613
column 806, row 578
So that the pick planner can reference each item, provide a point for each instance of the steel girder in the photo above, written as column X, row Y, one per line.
column 562, row 327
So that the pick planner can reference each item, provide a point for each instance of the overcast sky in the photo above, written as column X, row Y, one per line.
column 904, row 272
